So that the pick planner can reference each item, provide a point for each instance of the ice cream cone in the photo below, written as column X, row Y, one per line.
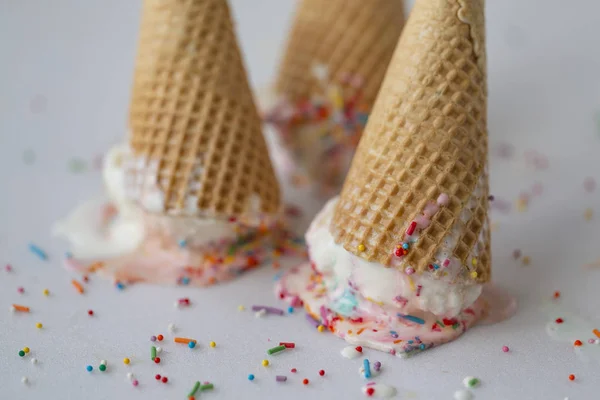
column 348, row 37
column 426, row 138
column 196, row 136
column 335, row 58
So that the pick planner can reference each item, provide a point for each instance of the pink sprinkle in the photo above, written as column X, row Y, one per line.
column 443, row 199
column 591, row 341
column 446, row 262
column 411, row 228
column 589, row 184
column 505, row 349
column 430, row 209
column 422, row 221
column 8, row 268
column 419, row 287
column 409, row 270
column 21, row 290
column 135, row 382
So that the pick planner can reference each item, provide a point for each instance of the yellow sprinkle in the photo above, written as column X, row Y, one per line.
column 474, row 261
column 265, row 363
column 212, row 344
column 526, row 260
column 474, row 274
column 241, row 308
column 361, row 247
column 412, row 284
column 320, row 328
column 26, row 349
column 126, row 361
column 39, row 325
column 46, row 292
column 588, row 214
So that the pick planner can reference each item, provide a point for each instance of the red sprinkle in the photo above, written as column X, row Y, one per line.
column 370, row 391
column 165, row 379
column 294, row 370
column 571, row 377
column 86, row 279
column 358, row 348
column 559, row 320
column 288, row 345
column 90, row 312
column 157, row 377
column 305, row 381
column 556, row 294
column 577, row 343
column 160, row 338
column 157, row 360
column 321, row 372
column 411, row 228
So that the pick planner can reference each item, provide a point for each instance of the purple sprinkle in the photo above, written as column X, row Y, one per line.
column 153, row 338
column 377, row 366
column 312, row 321
column 281, row 378
column 269, row 310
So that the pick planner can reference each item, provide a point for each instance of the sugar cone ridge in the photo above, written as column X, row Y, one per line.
column 427, row 135
column 349, row 37
column 192, row 117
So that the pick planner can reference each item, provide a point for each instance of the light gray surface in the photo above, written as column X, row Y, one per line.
column 78, row 56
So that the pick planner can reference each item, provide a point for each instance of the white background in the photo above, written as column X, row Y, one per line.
column 65, row 75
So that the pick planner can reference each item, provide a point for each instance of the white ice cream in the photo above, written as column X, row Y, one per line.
column 384, row 286
column 90, row 237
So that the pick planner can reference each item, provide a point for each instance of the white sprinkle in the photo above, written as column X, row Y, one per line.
column 470, row 382
column 102, row 362
column 158, row 350
column 12, row 309
column 171, row 327
column 350, row 352
column 597, row 341
column 24, row 380
column 260, row 313
column 34, row 360
column 463, row 395
column 130, row 375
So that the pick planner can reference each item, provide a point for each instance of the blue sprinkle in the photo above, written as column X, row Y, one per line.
column 410, row 342
column 182, row 243
column 185, row 280
column 68, row 254
column 120, row 286
column 413, row 319
column 38, row 252
column 405, row 246
column 290, row 309
column 89, row 368
column 251, row 377
column 422, row 346
column 191, row 345
column 367, row 368
column 436, row 267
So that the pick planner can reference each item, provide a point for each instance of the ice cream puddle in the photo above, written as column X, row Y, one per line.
column 116, row 238
column 582, row 334
column 379, row 390
column 351, row 352
column 392, row 310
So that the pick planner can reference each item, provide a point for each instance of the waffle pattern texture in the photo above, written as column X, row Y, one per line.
column 195, row 130
column 427, row 136
column 349, row 37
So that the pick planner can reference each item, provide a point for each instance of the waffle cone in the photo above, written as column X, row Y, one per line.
column 427, row 136
column 349, row 37
column 195, row 130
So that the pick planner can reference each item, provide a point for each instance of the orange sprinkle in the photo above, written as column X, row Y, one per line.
column 556, row 294
column 360, row 331
column 20, row 308
column 183, row 340
column 397, row 341
column 95, row 266
column 77, row 286
column 596, row 332
column 349, row 331
column 577, row 343
column 571, row 377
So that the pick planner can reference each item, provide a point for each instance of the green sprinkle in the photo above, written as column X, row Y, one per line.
column 275, row 349
column 21, row 353
column 152, row 353
column 102, row 367
column 473, row 382
column 208, row 386
column 194, row 389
